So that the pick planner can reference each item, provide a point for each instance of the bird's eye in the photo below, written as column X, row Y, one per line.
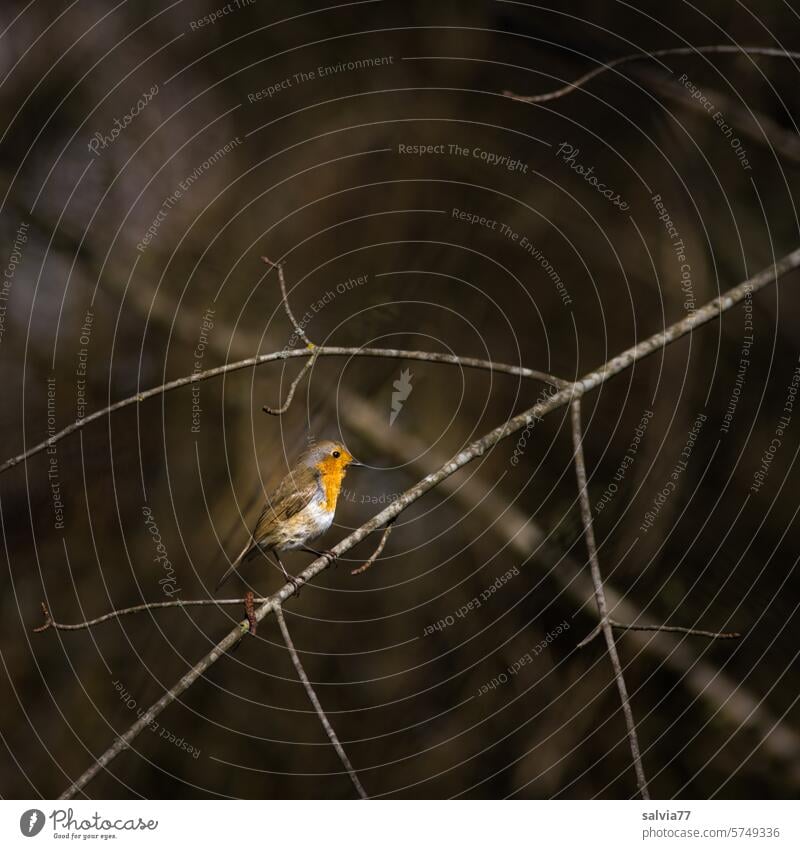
column 336, row 454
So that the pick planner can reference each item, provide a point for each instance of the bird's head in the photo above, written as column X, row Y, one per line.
column 330, row 458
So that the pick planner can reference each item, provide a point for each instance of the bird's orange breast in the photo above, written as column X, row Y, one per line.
column 331, row 475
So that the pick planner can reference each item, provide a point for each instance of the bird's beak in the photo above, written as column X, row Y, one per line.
column 356, row 463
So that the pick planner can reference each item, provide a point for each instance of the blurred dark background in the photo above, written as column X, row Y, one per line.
column 313, row 173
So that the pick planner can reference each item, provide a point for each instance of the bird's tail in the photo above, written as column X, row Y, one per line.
column 235, row 565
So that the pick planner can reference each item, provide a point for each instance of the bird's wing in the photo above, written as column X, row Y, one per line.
column 292, row 495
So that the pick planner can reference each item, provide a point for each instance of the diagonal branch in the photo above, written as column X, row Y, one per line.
column 317, row 706
column 729, row 701
column 469, row 453
column 600, row 598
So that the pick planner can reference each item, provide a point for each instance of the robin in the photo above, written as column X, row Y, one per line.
column 301, row 508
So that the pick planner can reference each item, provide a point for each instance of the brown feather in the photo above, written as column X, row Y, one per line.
column 292, row 495
column 287, row 522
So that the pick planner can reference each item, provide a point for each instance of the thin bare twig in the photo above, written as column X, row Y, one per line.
column 279, row 411
column 375, row 554
column 285, row 298
column 653, row 54
column 600, row 598
column 472, row 451
column 667, row 629
column 287, row 354
column 49, row 622
column 317, row 706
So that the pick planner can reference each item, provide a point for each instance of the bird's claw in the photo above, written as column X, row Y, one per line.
column 326, row 553
column 295, row 585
